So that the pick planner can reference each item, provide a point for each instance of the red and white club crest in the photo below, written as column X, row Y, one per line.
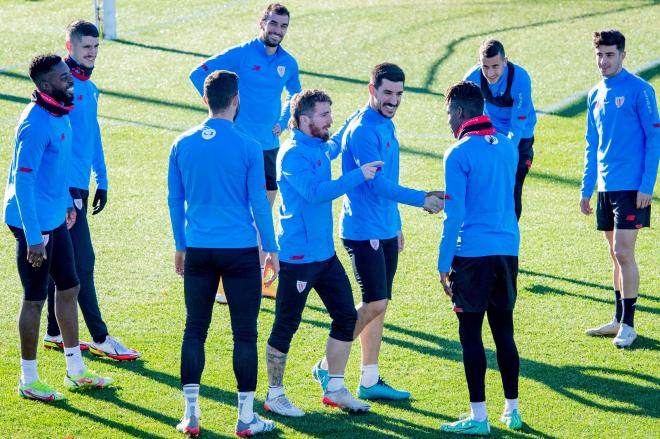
column 301, row 285
column 374, row 243
column 281, row 70
column 619, row 101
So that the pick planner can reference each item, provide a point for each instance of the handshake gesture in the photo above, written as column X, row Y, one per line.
column 434, row 201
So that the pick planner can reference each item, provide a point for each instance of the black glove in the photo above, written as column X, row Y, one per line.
column 100, row 199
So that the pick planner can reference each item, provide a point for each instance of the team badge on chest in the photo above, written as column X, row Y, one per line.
column 281, row 70
column 301, row 285
column 619, row 101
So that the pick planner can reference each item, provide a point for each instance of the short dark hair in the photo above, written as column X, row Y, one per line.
column 467, row 95
column 304, row 102
column 275, row 8
column 81, row 28
column 42, row 64
column 220, row 87
column 490, row 48
column 610, row 37
column 388, row 71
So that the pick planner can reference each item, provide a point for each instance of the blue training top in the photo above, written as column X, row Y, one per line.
column 623, row 136
column 370, row 210
column 480, row 219
column 518, row 121
column 262, row 79
column 305, row 181
column 87, row 146
column 218, row 172
column 37, row 192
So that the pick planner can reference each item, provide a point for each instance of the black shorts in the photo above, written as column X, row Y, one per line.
column 374, row 265
column 330, row 281
column 479, row 283
column 59, row 264
column 270, row 168
column 618, row 210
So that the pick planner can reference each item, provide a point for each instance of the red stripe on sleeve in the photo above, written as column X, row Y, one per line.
column 28, row 170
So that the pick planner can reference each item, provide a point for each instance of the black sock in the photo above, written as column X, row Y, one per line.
column 629, row 311
column 619, row 306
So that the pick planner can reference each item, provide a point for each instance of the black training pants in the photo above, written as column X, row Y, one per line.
column 241, row 279
column 474, row 355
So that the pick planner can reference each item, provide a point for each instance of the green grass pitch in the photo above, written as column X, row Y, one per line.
column 571, row 385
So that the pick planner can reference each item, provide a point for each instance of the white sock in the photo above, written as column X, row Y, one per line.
column 74, row 361
column 275, row 391
column 369, row 375
column 191, row 395
column 28, row 371
column 478, row 411
column 335, row 382
column 510, row 405
column 324, row 364
column 245, row 406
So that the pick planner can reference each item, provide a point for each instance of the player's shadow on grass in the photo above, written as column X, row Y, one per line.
column 575, row 382
column 116, row 94
column 420, row 90
column 544, row 290
column 106, row 420
column 139, row 367
column 451, row 47
column 577, row 282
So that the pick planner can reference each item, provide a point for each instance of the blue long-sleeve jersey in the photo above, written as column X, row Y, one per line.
column 37, row 192
column 480, row 220
column 307, row 190
column 216, row 186
column 623, row 136
column 370, row 210
column 262, row 79
column 518, row 121
column 87, row 147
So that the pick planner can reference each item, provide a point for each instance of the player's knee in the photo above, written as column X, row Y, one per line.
column 282, row 344
column 623, row 255
column 197, row 328
column 374, row 309
column 343, row 326
column 282, row 334
column 245, row 335
column 68, row 294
